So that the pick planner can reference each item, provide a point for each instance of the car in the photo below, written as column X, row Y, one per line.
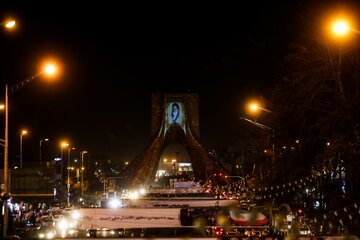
column 305, row 231
column 253, row 233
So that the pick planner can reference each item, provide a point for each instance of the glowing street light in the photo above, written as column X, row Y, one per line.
column 50, row 69
column 62, row 146
column 82, row 171
column 22, row 133
column 68, row 176
column 8, row 24
column 342, row 27
column 255, row 107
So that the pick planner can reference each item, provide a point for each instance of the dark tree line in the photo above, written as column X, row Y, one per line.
column 315, row 112
column 317, row 105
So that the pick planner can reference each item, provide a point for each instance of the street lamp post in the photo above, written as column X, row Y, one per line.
column 62, row 146
column 68, row 176
column 265, row 128
column 22, row 133
column 82, row 172
column 341, row 28
column 105, row 181
column 48, row 70
column 41, row 141
column 9, row 24
column 255, row 107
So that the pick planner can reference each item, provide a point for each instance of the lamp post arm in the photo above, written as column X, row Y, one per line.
column 256, row 123
column 265, row 110
column 21, row 84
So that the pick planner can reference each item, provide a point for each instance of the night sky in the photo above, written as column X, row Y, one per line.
column 114, row 56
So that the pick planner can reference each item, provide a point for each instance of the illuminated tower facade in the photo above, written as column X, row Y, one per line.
column 174, row 119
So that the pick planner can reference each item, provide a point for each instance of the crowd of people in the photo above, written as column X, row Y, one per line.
column 24, row 215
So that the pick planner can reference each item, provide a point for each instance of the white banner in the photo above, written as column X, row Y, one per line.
column 107, row 218
column 174, row 203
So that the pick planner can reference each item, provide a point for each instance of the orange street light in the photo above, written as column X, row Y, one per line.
column 255, row 107
column 68, row 175
column 62, row 146
column 9, row 23
column 22, row 133
column 342, row 27
column 82, row 171
column 50, row 69
column 8, row 91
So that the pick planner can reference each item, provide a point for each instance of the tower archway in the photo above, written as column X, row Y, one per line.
column 175, row 119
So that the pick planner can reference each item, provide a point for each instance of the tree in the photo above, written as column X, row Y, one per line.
column 317, row 104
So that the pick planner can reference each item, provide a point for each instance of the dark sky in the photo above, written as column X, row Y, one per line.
column 114, row 56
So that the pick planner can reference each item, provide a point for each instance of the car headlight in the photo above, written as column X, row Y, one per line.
column 114, row 203
column 62, row 225
column 47, row 235
column 75, row 215
column 50, row 235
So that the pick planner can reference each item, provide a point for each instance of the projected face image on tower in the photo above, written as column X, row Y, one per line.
column 174, row 115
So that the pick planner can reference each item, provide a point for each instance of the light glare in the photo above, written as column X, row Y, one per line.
column 76, row 215
column 50, row 235
column 142, row 191
column 340, row 27
column 114, row 203
column 10, row 24
column 50, row 69
column 254, row 107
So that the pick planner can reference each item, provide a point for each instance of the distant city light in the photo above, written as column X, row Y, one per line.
column 134, row 195
column 142, row 191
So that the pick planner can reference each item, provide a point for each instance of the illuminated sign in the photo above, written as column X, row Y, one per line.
column 184, row 164
column 175, row 115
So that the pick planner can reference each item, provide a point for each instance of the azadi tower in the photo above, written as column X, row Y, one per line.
column 174, row 119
